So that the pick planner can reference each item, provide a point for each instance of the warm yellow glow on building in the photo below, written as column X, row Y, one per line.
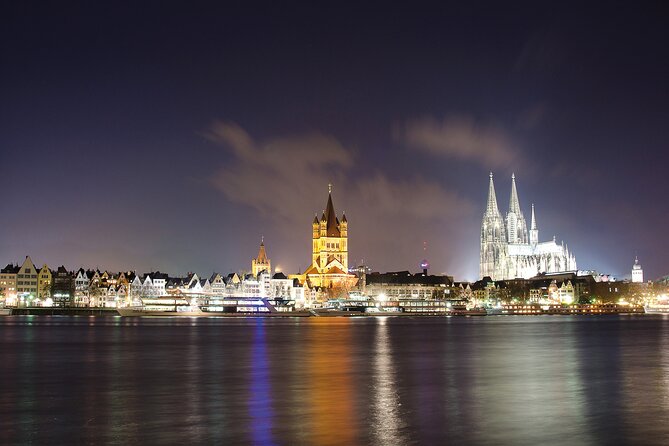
column 261, row 263
column 329, row 256
column 44, row 282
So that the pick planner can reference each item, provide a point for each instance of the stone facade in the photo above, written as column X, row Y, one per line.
column 509, row 250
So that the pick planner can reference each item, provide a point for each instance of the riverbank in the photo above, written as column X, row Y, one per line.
column 56, row 311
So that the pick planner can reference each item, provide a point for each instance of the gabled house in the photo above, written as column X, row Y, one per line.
column 26, row 283
column 63, row 288
column 44, row 283
column 217, row 284
column 8, row 284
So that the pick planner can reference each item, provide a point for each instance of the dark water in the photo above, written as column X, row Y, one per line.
column 487, row 380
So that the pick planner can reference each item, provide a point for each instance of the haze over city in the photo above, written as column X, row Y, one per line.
column 172, row 137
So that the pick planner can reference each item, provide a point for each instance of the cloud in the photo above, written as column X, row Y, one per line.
column 418, row 198
column 285, row 179
column 460, row 137
column 279, row 175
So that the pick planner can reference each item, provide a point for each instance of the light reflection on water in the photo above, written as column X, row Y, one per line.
column 387, row 422
column 491, row 380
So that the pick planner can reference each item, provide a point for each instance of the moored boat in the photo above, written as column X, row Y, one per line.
column 162, row 306
column 168, row 306
column 573, row 309
column 657, row 308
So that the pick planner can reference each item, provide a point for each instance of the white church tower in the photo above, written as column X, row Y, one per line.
column 534, row 232
column 516, row 227
column 637, row 272
column 493, row 239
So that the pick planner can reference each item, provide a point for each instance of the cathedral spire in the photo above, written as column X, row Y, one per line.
column 534, row 221
column 493, row 238
column 331, row 216
column 492, row 208
column 514, row 204
column 515, row 222
column 534, row 232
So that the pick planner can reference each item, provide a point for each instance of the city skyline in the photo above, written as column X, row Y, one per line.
column 169, row 138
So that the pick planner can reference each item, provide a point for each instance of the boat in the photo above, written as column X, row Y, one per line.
column 462, row 310
column 658, row 306
column 367, row 306
column 573, row 309
column 356, row 306
column 162, row 306
column 170, row 306
column 608, row 308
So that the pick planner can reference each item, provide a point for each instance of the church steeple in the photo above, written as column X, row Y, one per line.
column 261, row 263
column 514, row 205
column 493, row 237
column 516, row 226
column 329, row 248
column 534, row 232
column 491, row 209
column 331, row 216
column 534, row 221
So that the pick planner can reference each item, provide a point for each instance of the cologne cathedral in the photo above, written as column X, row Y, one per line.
column 509, row 250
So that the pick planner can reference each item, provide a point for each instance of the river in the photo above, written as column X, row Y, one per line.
column 521, row 380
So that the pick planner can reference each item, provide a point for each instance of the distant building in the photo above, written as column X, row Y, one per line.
column 217, row 284
column 26, row 283
column 44, row 283
column 404, row 285
column 261, row 263
column 63, row 287
column 637, row 272
column 509, row 250
column 329, row 256
column 8, row 284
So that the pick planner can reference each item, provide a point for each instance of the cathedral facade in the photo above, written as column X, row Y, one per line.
column 510, row 250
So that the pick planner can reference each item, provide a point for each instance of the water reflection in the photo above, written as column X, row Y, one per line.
column 260, row 401
column 386, row 422
column 331, row 384
column 506, row 380
column 529, row 390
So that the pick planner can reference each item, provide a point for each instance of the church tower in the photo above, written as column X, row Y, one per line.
column 329, row 252
column 261, row 263
column 637, row 272
column 330, row 238
column 534, row 232
column 516, row 227
column 493, row 239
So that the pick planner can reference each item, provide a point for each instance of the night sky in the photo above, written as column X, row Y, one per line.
column 172, row 136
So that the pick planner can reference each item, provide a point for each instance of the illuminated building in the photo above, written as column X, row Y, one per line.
column 261, row 263
column 329, row 256
column 44, row 282
column 509, row 250
column 8, row 283
column 637, row 272
column 63, row 287
column 404, row 285
column 26, row 282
